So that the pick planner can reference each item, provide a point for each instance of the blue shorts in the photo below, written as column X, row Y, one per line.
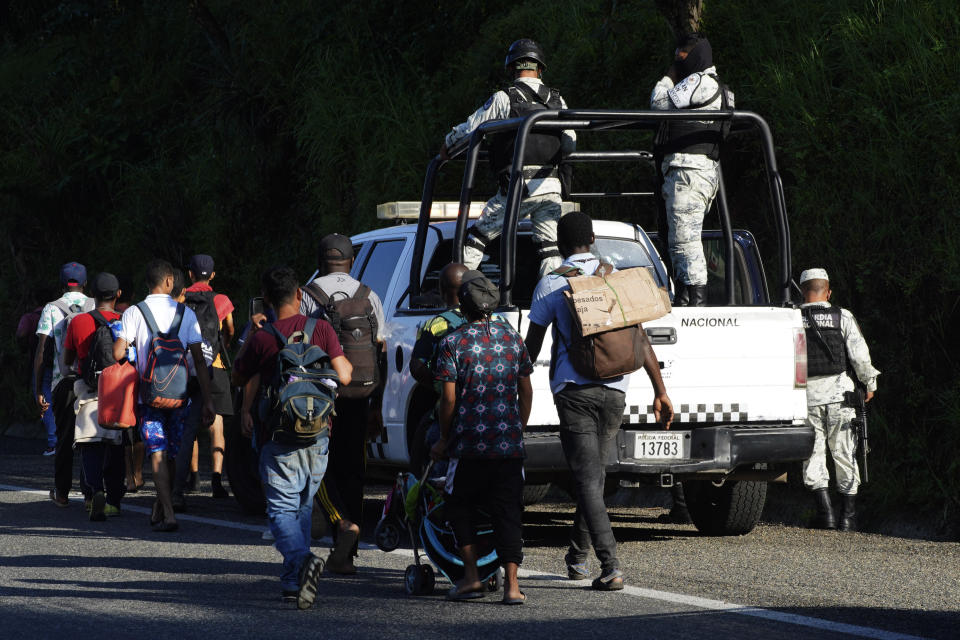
column 162, row 429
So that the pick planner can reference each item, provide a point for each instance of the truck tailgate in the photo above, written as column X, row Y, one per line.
column 719, row 365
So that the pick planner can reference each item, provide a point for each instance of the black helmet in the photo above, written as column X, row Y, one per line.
column 525, row 49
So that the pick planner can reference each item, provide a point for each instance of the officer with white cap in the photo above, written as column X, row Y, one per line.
column 525, row 62
column 835, row 349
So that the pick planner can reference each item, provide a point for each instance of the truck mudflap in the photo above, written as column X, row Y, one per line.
column 714, row 449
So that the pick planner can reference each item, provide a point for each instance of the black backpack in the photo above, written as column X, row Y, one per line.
column 100, row 355
column 355, row 322
column 202, row 304
column 299, row 401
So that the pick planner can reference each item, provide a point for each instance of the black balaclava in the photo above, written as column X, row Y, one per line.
column 699, row 58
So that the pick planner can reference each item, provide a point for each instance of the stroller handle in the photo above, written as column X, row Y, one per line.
column 426, row 472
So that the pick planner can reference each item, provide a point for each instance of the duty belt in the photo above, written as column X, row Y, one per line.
column 529, row 173
column 540, row 173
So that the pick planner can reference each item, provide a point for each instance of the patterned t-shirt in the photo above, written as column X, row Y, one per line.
column 486, row 360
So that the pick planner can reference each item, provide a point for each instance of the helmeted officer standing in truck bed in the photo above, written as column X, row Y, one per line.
column 835, row 347
column 689, row 152
column 541, row 195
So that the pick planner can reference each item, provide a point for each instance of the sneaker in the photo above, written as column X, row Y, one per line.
column 58, row 500
column 97, row 504
column 289, row 598
column 578, row 571
column 179, row 503
column 111, row 511
column 49, row 451
column 609, row 581
column 309, row 579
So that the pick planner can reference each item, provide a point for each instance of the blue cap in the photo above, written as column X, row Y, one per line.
column 202, row 266
column 73, row 272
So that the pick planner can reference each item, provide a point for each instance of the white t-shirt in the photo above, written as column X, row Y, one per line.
column 135, row 331
column 53, row 324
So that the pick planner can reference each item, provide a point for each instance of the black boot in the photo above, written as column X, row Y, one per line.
column 825, row 518
column 848, row 517
column 681, row 297
column 697, row 294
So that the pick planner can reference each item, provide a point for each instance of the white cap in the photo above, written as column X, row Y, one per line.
column 814, row 274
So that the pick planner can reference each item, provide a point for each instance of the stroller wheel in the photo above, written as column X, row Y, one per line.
column 427, row 580
column 418, row 581
column 387, row 535
column 495, row 581
column 411, row 580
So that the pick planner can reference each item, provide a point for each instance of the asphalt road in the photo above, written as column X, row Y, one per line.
column 62, row 576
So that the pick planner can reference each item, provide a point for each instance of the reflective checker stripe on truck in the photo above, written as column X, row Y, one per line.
column 727, row 412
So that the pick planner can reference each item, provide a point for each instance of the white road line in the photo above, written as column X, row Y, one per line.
column 639, row 592
column 135, row 509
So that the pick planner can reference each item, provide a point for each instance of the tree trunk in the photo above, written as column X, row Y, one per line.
column 683, row 16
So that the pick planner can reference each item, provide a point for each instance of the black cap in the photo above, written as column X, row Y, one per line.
column 477, row 294
column 336, row 246
column 202, row 266
column 105, row 286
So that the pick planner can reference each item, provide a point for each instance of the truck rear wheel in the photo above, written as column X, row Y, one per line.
column 732, row 509
column 241, row 464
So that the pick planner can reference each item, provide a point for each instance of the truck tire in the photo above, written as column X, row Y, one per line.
column 732, row 509
column 534, row 493
column 241, row 465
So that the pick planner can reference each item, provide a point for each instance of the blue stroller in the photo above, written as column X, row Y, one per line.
column 417, row 506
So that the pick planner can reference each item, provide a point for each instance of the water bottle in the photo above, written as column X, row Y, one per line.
column 131, row 354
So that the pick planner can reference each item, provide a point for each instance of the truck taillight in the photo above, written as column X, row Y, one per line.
column 799, row 358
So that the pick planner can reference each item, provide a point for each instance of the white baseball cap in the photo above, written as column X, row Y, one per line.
column 814, row 274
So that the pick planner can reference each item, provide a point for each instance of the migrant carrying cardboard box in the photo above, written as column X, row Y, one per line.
column 621, row 299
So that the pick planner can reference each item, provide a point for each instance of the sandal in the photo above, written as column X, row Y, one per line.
column 459, row 596
column 520, row 600
column 166, row 527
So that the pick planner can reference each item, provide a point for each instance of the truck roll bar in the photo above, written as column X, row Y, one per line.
column 596, row 120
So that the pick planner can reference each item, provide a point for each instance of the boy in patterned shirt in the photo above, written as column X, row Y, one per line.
column 484, row 405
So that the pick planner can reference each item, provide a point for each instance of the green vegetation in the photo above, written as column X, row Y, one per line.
column 247, row 130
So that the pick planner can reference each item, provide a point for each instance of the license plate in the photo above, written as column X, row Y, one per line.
column 660, row 444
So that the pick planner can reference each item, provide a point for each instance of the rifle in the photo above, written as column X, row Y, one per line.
column 857, row 400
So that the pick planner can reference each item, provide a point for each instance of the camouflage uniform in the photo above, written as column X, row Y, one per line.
column 689, row 183
column 542, row 196
column 831, row 419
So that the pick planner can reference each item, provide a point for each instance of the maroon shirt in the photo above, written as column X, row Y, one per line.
column 261, row 354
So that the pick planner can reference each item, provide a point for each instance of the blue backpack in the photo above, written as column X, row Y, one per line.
column 300, row 399
column 163, row 384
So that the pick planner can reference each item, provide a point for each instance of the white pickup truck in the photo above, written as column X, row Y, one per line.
column 735, row 370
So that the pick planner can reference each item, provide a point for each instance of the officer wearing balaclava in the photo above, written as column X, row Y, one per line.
column 689, row 153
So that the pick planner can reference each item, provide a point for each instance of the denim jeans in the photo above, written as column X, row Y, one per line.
column 291, row 476
column 49, row 424
column 590, row 417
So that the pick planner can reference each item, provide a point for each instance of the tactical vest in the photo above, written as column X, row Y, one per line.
column 542, row 149
column 687, row 136
column 826, row 350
